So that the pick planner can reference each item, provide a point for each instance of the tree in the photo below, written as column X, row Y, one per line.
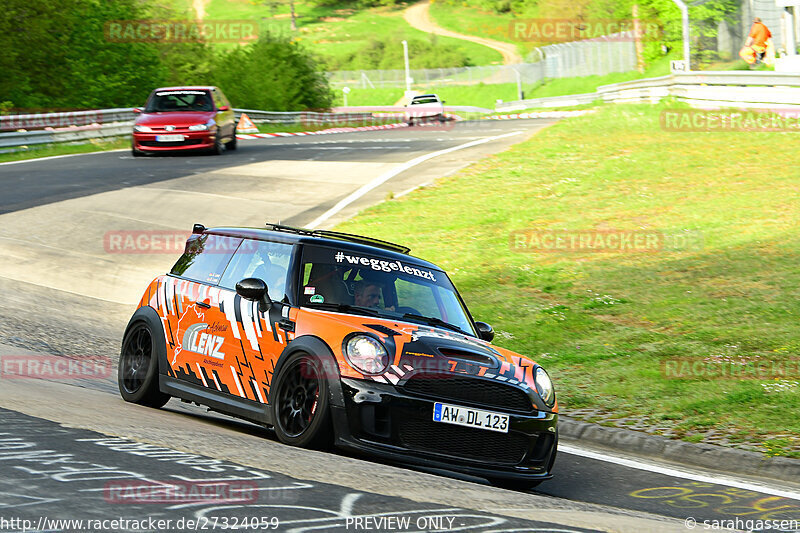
column 274, row 73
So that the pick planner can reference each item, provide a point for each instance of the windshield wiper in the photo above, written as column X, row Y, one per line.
column 435, row 322
column 345, row 307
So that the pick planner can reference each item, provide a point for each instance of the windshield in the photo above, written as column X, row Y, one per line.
column 377, row 286
column 180, row 100
column 428, row 100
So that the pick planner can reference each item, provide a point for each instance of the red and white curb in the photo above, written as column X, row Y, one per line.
column 537, row 114
column 542, row 114
column 341, row 130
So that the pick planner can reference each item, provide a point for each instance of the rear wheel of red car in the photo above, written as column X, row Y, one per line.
column 300, row 407
column 137, row 374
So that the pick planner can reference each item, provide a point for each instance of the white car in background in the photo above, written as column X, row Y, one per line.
column 423, row 108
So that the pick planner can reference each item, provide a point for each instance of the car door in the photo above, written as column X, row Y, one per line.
column 196, row 329
column 256, row 339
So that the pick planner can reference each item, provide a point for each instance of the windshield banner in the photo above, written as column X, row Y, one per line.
column 383, row 265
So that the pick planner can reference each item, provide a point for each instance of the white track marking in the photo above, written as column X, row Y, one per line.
column 386, row 176
column 677, row 471
column 348, row 504
column 62, row 156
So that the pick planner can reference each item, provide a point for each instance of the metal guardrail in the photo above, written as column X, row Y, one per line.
column 82, row 126
column 19, row 139
column 699, row 89
column 402, row 109
column 304, row 117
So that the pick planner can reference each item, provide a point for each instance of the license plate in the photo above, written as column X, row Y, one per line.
column 471, row 418
column 169, row 138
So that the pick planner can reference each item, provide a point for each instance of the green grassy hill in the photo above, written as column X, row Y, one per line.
column 345, row 38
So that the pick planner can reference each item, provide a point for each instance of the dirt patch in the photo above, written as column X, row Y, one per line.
column 418, row 17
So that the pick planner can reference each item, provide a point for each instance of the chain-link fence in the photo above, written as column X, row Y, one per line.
column 580, row 58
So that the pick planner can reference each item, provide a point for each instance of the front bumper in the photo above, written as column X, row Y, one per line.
column 192, row 140
column 385, row 420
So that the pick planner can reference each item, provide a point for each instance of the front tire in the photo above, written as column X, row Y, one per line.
column 300, row 404
column 232, row 143
column 137, row 374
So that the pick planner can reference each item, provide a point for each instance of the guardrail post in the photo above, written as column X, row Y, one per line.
column 685, row 18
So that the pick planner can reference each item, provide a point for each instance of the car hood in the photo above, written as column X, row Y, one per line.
column 174, row 118
column 415, row 348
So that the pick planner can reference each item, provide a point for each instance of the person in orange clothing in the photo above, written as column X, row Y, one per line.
column 757, row 39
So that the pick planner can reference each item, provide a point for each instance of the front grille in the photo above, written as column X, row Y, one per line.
column 455, row 441
column 176, row 129
column 185, row 142
column 486, row 393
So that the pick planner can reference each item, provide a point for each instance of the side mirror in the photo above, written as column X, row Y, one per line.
column 255, row 289
column 137, row 110
column 224, row 108
column 485, row 331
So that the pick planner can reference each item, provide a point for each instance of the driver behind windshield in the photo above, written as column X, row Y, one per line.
column 368, row 294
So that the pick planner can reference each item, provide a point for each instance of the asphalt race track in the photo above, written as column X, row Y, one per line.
column 65, row 447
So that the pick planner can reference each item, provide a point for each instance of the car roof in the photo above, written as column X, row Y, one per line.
column 426, row 96
column 188, row 88
column 341, row 241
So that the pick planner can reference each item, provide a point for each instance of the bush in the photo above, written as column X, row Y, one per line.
column 386, row 53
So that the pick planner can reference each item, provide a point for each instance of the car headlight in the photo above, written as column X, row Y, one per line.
column 544, row 386
column 142, row 129
column 366, row 354
column 199, row 127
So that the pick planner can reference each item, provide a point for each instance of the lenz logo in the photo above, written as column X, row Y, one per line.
column 198, row 341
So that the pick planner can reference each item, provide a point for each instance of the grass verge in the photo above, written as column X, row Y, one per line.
column 607, row 324
column 49, row 150
column 341, row 34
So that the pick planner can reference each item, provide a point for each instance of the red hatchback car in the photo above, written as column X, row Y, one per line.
column 184, row 118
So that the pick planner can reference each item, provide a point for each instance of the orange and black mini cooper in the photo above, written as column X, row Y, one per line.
column 335, row 338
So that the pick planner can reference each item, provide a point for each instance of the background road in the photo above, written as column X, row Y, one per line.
column 64, row 293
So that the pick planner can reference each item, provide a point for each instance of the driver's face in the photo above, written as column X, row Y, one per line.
column 370, row 297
